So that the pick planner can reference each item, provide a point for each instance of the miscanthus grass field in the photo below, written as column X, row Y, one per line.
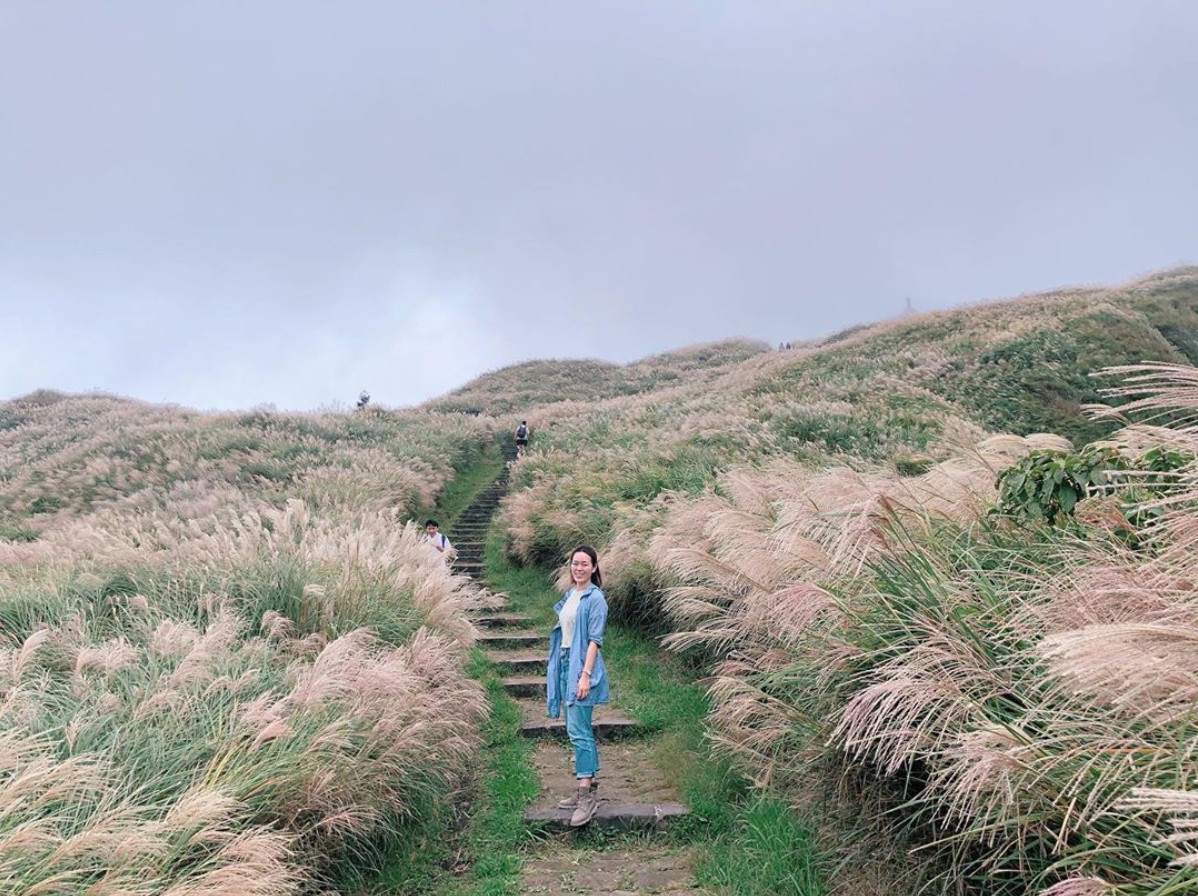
column 940, row 572
column 227, row 665
column 936, row 575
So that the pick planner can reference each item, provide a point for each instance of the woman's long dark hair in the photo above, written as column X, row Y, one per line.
column 596, row 579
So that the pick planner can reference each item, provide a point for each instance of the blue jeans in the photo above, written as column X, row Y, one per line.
column 578, row 728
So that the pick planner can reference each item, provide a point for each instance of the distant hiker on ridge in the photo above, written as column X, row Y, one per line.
column 438, row 542
column 521, row 438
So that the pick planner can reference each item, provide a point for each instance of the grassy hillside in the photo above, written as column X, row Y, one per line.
column 819, row 529
column 514, row 389
column 1021, row 366
column 900, row 393
column 226, row 663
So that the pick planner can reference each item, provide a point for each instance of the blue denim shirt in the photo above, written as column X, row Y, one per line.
column 592, row 617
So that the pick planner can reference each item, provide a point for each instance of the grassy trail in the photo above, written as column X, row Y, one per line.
column 732, row 842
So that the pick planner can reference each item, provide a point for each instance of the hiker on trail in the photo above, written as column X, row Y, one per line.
column 434, row 538
column 577, row 679
column 521, row 438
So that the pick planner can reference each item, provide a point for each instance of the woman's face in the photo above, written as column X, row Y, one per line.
column 581, row 568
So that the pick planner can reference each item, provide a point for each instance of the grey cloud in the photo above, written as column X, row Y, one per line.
column 227, row 204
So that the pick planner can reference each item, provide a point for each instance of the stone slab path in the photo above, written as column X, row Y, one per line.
column 634, row 794
column 641, row 869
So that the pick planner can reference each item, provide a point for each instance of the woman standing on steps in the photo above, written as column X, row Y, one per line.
column 577, row 678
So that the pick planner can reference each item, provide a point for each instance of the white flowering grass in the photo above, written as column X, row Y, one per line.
column 228, row 665
column 1029, row 695
column 815, row 524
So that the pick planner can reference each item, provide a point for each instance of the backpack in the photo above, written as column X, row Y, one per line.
column 521, row 431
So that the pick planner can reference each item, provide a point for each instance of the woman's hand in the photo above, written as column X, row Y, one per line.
column 584, row 686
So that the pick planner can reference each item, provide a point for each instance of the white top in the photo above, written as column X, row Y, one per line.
column 569, row 616
column 439, row 540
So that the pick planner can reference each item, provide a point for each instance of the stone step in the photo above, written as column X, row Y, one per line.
column 609, row 728
column 518, row 662
column 512, row 639
column 610, row 816
column 634, row 791
column 501, row 620
column 525, row 686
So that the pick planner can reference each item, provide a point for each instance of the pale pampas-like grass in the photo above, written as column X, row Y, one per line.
column 227, row 659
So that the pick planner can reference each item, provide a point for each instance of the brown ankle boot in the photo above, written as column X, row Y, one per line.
column 572, row 802
column 585, row 810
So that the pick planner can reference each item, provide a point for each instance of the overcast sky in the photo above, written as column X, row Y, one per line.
column 228, row 204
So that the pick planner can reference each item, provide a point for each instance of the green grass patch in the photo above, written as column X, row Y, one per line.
column 752, row 845
column 768, row 851
column 13, row 530
column 495, row 834
column 475, row 475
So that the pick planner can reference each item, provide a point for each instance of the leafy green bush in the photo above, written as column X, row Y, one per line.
column 1047, row 485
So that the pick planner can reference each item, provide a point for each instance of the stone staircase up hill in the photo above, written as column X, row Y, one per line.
column 634, row 793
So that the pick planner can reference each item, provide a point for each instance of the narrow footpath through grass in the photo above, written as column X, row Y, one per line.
column 477, row 473
column 744, row 844
column 747, row 845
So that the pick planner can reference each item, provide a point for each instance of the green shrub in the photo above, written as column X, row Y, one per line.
column 1047, row 485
